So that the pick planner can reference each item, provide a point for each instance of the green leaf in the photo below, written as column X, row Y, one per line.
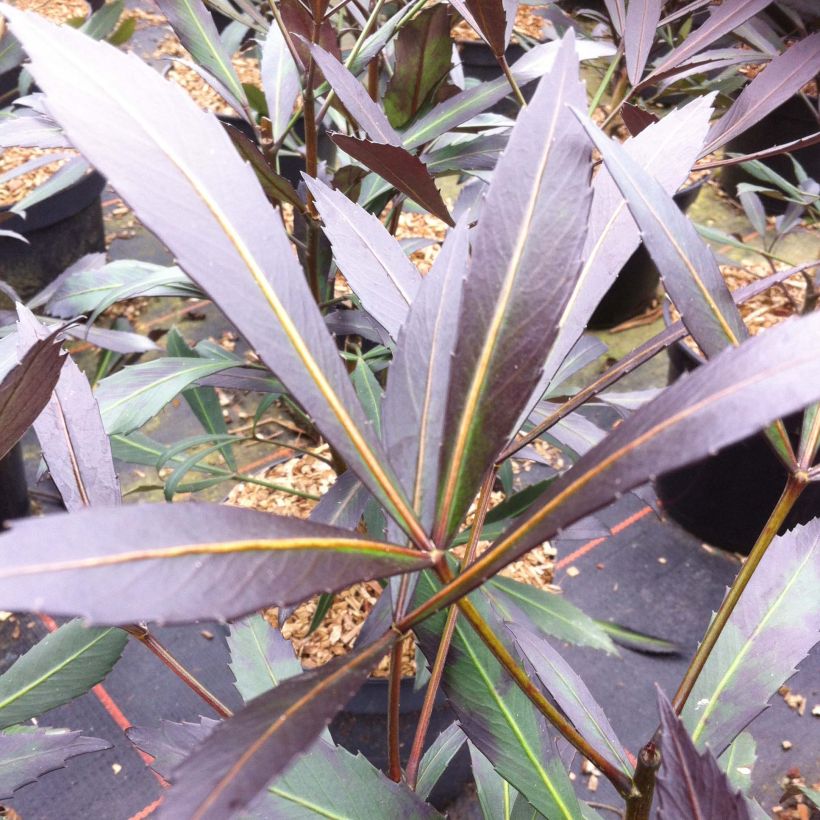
column 322, row 608
column 550, row 613
column 437, row 758
column 639, row 641
column 772, row 628
column 260, row 657
column 495, row 795
column 202, row 400
column 61, row 667
column 495, row 714
column 103, row 21
column 123, row 33
column 738, row 760
column 369, row 392
column 134, row 395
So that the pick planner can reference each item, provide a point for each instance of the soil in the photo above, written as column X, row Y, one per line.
column 247, row 69
column 60, row 11
column 337, row 633
column 21, row 186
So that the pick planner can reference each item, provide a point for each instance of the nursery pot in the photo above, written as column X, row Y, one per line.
column 726, row 499
column 362, row 727
column 13, row 487
column 59, row 231
column 790, row 121
column 637, row 284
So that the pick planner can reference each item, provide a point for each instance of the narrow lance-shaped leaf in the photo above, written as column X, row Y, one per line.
column 203, row 401
column 400, row 168
column 689, row 783
column 642, row 18
column 423, row 52
column 495, row 714
column 231, row 242
column 62, row 666
column 355, row 98
column 495, row 795
column 26, row 389
column 722, row 19
column 260, row 657
column 732, row 396
column 526, row 254
column 180, row 562
column 196, row 29
column 413, row 410
column 280, row 80
column 773, row 627
column 781, row 79
column 240, row 757
column 28, row 755
column 437, row 758
column 370, row 258
column 492, row 20
column 571, row 694
column 170, row 743
column 71, row 433
column 471, row 102
column 690, row 272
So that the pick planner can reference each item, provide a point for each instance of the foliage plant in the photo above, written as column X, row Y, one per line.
column 469, row 353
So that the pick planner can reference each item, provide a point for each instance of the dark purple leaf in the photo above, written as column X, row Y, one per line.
column 343, row 504
column 781, row 79
column 276, row 187
column 469, row 103
column 526, row 256
column 232, row 242
column 400, row 168
column 27, row 754
column 722, row 19
column 370, row 258
column 355, row 98
column 414, row 406
column 298, row 22
column 26, row 388
column 179, row 562
column 71, row 433
column 423, row 54
column 642, row 18
column 571, row 694
column 489, row 19
column 688, row 267
column 617, row 13
column 691, row 785
column 636, row 118
column 244, row 753
column 732, row 396
column 771, row 630
column 170, row 743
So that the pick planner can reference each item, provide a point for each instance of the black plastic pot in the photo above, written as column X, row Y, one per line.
column 637, row 284
column 726, row 499
column 479, row 63
column 13, row 487
column 789, row 121
column 59, row 231
column 362, row 727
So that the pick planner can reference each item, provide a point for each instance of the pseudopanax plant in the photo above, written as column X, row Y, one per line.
column 475, row 345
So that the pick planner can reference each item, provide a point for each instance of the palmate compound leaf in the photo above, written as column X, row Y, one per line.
column 26, row 755
column 495, row 714
column 241, row 756
column 71, row 433
column 526, row 253
column 735, row 394
column 690, row 783
column 179, row 562
column 62, row 666
column 773, row 627
column 26, row 388
column 117, row 111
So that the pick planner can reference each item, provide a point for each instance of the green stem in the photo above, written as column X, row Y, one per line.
column 604, row 84
column 794, row 487
column 505, row 67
